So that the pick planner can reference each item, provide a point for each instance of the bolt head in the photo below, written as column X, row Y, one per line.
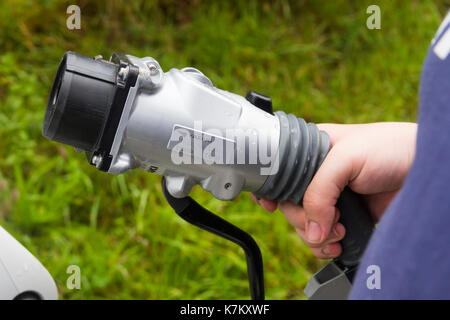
column 96, row 160
column 152, row 68
column 123, row 72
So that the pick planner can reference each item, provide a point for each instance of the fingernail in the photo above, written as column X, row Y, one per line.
column 335, row 232
column 326, row 251
column 314, row 231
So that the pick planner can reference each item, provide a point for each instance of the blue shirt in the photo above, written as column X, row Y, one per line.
column 411, row 245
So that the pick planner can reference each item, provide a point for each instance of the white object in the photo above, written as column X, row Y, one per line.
column 22, row 276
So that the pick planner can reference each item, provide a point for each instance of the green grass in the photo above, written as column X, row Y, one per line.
column 316, row 59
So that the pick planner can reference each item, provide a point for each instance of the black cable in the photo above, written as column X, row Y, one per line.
column 195, row 214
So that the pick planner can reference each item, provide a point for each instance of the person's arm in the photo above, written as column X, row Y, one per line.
column 410, row 246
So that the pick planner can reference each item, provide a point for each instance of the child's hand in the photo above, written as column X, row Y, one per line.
column 372, row 159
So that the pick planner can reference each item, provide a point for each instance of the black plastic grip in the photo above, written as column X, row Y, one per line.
column 189, row 210
column 358, row 224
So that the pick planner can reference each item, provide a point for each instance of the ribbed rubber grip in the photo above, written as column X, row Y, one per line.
column 302, row 149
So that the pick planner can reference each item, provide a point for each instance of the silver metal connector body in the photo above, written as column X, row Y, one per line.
column 177, row 124
column 164, row 106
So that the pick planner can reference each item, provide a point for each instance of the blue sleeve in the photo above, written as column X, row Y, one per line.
column 411, row 245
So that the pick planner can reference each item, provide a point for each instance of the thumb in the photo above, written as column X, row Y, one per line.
column 321, row 196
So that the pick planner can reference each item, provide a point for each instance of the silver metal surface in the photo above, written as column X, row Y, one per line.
column 97, row 160
column 329, row 283
column 163, row 104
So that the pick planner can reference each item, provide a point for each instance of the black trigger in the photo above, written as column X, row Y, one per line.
column 260, row 101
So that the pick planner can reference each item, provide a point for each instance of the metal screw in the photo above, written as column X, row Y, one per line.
column 96, row 160
column 152, row 68
column 123, row 72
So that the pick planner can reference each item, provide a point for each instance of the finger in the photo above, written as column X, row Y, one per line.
column 294, row 214
column 255, row 200
column 329, row 251
column 269, row 205
column 337, row 216
column 320, row 198
column 337, row 234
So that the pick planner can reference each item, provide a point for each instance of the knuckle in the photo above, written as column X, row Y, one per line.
column 313, row 245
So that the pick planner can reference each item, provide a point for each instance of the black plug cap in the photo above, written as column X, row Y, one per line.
column 80, row 101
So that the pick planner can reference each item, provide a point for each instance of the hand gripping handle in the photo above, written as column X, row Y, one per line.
column 302, row 149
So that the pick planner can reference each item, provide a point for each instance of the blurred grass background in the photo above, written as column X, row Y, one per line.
column 316, row 59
